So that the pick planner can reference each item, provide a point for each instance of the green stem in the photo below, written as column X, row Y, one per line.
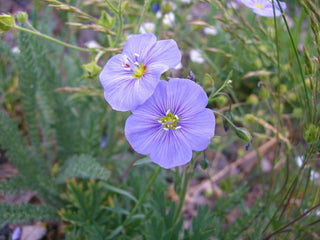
column 279, row 96
column 299, row 63
column 120, row 21
column 52, row 39
column 145, row 7
column 295, row 180
column 111, row 6
column 154, row 176
column 227, row 119
column 182, row 196
column 226, row 83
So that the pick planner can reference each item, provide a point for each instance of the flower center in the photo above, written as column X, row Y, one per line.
column 259, row 5
column 135, row 67
column 169, row 121
column 139, row 71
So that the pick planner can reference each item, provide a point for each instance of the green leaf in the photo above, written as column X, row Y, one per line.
column 119, row 191
column 83, row 166
column 142, row 161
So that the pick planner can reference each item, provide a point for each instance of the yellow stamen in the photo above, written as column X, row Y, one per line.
column 259, row 5
column 169, row 121
column 139, row 71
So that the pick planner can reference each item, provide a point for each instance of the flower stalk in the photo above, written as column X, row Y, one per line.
column 153, row 178
column 186, row 177
column 39, row 34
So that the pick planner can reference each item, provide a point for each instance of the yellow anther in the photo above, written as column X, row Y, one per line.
column 169, row 121
column 259, row 5
column 139, row 71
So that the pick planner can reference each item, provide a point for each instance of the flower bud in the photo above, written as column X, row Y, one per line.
column 125, row 5
column 166, row 8
column 204, row 163
column 155, row 7
column 6, row 22
column 106, row 20
column 22, row 17
column 91, row 70
column 264, row 93
column 191, row 76
column 253, row 99
column 283, row 88
column 244, row 135
column 312, row 133
column 297, row 113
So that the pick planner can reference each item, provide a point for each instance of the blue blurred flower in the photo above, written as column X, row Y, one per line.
column 172, row 123
column 264, row 7
column 155, row 7
column 16, row 234
column 130, row 78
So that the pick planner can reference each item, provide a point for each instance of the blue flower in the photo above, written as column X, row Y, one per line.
column 155, row 7
column 130, row 78
column 264, row 7
column 172, row 123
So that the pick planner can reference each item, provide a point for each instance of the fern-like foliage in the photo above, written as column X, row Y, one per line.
column 28, row 86
column 12, row 185
column 24, row 159
column 57, row 116
column 83, row 166
column 13, row 213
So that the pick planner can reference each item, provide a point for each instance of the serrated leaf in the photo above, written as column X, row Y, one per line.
column 83, row 166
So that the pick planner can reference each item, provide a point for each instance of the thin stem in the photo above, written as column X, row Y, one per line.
column 182, row 196
column 298, row 59
column 225, row 84
column 154, row 176
column 120, row 21
column 279, row 96
column 111, row 6
column 295, row 180
column 291, row 222
column 53, row 39
column 145, row 7
column 227, row 119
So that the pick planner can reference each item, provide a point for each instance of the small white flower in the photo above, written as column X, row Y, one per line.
column 158, row 14
column 186, row 1
column 210, row 31
column 299, row 161
column 314, row 175
column 196, row 56
column 147, row 27
column 15, row 49
column 92, row 44
column 168, row 19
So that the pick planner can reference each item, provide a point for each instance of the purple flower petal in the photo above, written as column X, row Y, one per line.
column 198, row 129
column 264, row 7
column 186, row 97
column 266, row 12
column 139, row 44
column 249, row 3
column 156, row 106
column 141, row 133
column 165, row 52
column 130, row 78
column 171, row 123
column 170, row 150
